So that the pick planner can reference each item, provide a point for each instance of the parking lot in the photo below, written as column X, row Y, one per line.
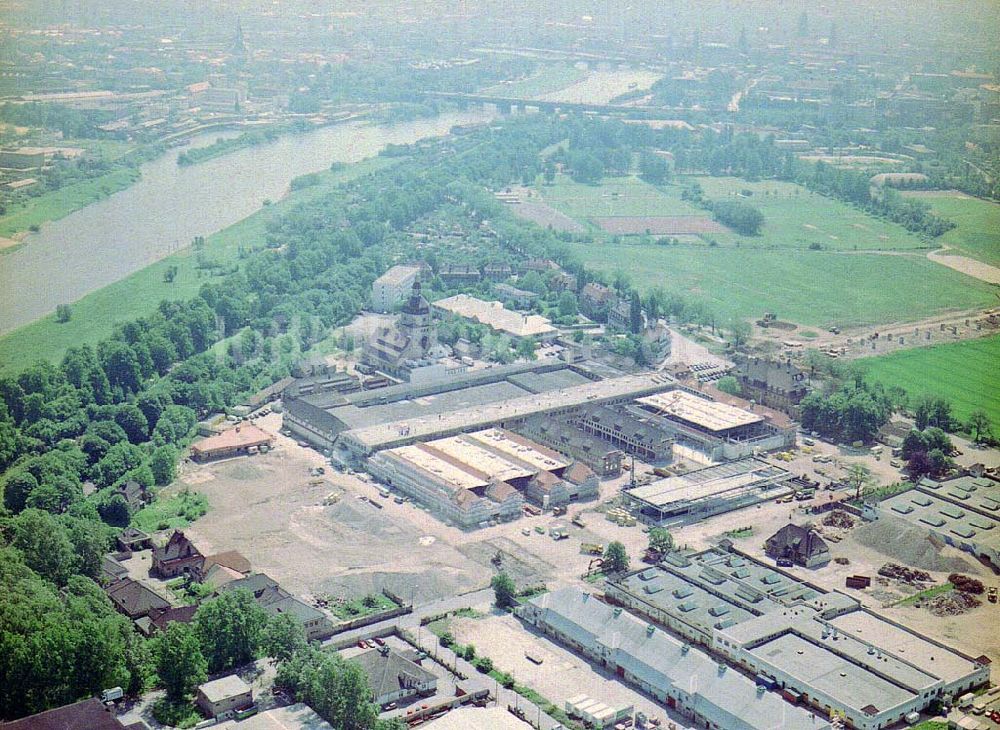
column 561, row 674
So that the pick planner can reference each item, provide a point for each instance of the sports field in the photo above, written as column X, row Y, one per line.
column 615, row 197
column 965, row 373
column 978, row 231
column 815, row 288
column 793, row 217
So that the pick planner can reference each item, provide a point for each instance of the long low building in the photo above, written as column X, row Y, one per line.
column 320, row 414
column 242, row 439
column 820, row 648
column 707, row 428
column 962, row 512
column 474, row 478
column 682, row 677
column 708, row 491
column 495, row 316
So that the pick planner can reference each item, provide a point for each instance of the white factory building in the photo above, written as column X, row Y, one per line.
column 473, row 479
column 393, row 287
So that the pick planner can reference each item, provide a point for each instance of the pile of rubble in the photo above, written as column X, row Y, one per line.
column 952, row 603
column 966, row 584
column 839, row 518
column 904, row 574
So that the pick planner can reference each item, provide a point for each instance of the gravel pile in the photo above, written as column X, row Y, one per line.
column 906, row 544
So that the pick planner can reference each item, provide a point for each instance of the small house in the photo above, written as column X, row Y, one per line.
column 132, row 540
column 134, row 599
column 802, row 545
column 393, row 677
column 224, row 695
column 178, row 557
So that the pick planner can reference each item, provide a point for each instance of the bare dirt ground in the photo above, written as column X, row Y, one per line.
column 968, row 266
column 857, row 342
column 270, row 509
column 561, row 675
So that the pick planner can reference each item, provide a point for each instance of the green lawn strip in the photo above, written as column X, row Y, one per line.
column 978, row 231
column 95, row 315
column 548, row 707
column 57, row 204
column 965, row 373
column 168, row 513
column 924, row 595
column 813, row 288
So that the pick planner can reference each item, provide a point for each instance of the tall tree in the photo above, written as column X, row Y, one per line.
column 283, row 637
column 504, row 590
column 179, row 661
column 660, row 540
column 980, row 426
column 615, row 557
column 230, row 629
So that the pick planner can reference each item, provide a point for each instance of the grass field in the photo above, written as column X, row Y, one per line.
column 56, row 204
column 797, row 218
column 978, row 232
column 854, row 280
column 95, row 316
column 794, row 217
column 546, row 79
column 615, row 196
column 816, row 288
column 964, row 373
column 174, row 512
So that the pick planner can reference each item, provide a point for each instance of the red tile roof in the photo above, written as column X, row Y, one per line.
column 240, row 437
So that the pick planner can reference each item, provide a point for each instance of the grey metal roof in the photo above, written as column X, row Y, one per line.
column 724, row 696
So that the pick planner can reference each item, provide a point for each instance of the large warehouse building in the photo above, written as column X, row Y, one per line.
column 709, row 430
column 473, row 478
column 356, row 425
column 819, row 648
column 684, row 678
column 709, row 491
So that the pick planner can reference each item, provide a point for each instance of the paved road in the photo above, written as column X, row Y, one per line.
column 429, row 643
column 504, row 697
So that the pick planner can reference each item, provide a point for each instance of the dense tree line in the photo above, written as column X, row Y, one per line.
column 741, row 217
column 854, row 412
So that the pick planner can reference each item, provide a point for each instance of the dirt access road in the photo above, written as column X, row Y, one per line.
column 857, row 342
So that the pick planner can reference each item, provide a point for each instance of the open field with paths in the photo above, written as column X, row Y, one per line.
column 978, row 231
column 797, row 218
column 95, row 316
column 965, row 373
column 813, row 288
column 794, row 217
column 776, row 271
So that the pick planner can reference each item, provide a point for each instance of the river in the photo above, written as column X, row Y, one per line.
column 161, row 213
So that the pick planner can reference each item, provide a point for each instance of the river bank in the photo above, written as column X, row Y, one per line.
column 139, row 292
column 163, row 212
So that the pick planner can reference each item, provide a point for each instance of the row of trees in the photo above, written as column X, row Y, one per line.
column 853, row 412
